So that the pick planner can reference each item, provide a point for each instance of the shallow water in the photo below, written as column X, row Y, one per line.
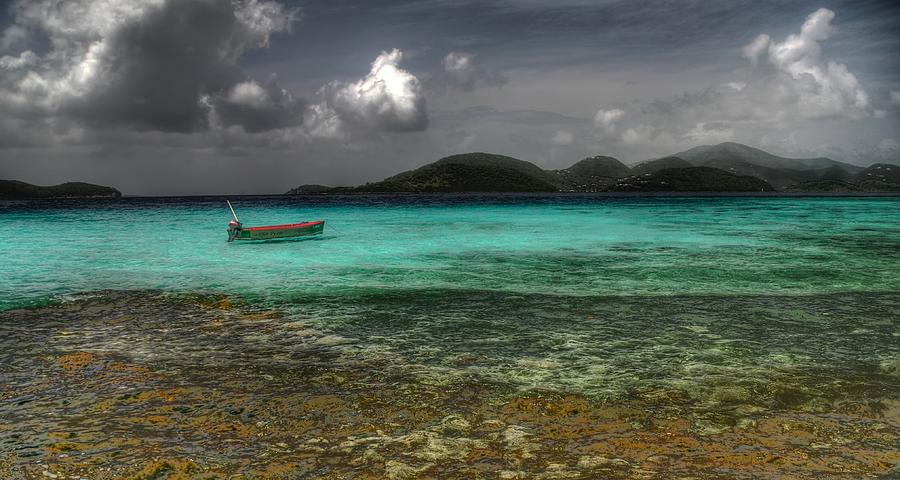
column 590, row 294
column 721, row 313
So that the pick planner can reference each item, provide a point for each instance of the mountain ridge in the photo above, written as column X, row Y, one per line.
column 692, row 179
column 704, row 155
column 724, row 167
column 781, row 172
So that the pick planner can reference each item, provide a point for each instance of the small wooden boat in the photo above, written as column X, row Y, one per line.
column 237, row 231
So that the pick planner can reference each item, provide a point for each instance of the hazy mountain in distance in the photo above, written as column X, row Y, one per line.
column 653, row 166
column 731, row 152
column 779, row 171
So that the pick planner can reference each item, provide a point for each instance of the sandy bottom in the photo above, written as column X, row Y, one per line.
column 145, row 386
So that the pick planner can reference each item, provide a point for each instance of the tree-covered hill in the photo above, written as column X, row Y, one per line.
column 16, row 189
column 692, row 179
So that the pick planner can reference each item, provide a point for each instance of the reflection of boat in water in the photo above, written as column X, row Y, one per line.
column 237, row 231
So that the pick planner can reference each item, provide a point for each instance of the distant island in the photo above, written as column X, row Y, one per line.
column 13, row 189
column 726, row 167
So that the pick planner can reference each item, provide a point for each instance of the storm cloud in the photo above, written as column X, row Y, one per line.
column 145, row 64
column 258, row 96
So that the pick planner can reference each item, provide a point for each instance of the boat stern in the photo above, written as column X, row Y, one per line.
column 234, row 230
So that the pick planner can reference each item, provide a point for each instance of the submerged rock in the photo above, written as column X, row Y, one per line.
column 890, row 366
column 157, row 369
column 454, row 424
column 395, row 470
column 518, row 442
column 731, row 394
column 591, row 462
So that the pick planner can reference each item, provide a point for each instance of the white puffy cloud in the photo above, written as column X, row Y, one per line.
column 322, row 121
column 562, row 137
column 460, row 71
column 388, row 98
column 790, row 83
column 605, row 120
column 249, row 94
column 757, row 47
column 261, row 19
column 25, row 59
column 823, row 88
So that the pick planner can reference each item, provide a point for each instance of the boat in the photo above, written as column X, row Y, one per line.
column 237, row 231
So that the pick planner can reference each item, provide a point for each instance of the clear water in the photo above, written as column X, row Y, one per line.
column 599, row 295
column 570, row 246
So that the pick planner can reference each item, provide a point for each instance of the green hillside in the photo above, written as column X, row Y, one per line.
column 310, row 190
column 727, row 167
column 482, row 159
column 880, row 177
column 825, row 186
column 692, row 179
column 460, row 177
column 591, row 174
column 653, row 166
column 17, row 189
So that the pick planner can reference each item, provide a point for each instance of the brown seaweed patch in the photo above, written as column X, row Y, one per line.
column 77, row 362
column 240, row 400
column 169, row 469
column 63, row 447
column 211, row 301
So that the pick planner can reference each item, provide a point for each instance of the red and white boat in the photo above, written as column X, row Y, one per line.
column 237, row 231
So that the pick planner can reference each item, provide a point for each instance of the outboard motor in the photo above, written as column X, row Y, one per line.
column 234, row 229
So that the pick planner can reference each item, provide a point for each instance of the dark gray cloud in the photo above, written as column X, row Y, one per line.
column 140, row 64
column 256, row 107
column 261, row 95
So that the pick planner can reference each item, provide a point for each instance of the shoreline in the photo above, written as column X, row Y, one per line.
column 219, row 196
column 253, row 300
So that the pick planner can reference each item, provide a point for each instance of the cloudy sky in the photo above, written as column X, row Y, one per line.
column 258, row 96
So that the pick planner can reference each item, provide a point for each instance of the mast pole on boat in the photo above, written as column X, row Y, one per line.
column 232, row 211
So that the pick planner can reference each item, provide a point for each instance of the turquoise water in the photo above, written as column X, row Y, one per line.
column 539, row 245
column 600, row 295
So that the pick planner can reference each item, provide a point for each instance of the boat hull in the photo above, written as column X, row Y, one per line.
column 281, row 231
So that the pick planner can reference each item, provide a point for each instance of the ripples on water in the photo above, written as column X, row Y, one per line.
column 593, row 294
column 559, row 245
column 779, row 303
